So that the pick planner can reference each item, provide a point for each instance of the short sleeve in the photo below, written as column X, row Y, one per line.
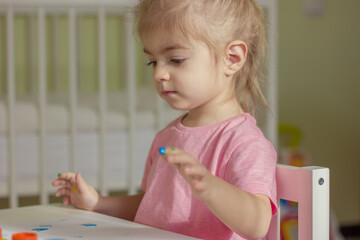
column 251, row 167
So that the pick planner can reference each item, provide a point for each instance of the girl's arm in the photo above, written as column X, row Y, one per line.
column 124, row 207
column 79, row 194
column 247, row 214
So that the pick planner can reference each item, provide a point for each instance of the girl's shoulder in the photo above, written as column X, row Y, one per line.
column 243, row 132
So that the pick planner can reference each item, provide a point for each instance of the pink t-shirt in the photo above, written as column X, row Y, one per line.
column 234, row 150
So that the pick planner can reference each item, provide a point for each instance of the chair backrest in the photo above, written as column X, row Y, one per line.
column 309, row 187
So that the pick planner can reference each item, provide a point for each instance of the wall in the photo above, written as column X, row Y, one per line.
column 319, row 91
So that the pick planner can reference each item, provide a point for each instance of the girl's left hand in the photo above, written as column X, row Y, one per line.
column 199, row 178
column 76, row 191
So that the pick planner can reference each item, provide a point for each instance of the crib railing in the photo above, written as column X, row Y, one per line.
column 72, row 8
column 40, row 8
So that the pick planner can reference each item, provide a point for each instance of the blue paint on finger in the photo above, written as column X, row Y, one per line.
column 162, row 151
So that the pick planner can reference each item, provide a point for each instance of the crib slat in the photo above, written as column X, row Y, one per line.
column 13, row 194
column 42, row 103
column 55, row 52
column 102, row 100
column 131, row 84
column 31, row 50
column 73, row 88
column 271, row 127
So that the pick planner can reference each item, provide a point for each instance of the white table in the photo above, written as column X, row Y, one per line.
column 66, row 223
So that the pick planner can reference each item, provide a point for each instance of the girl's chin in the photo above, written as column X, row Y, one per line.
column 177, row 107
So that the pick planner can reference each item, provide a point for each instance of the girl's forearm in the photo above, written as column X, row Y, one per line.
column 247, row 214
column 124, row 207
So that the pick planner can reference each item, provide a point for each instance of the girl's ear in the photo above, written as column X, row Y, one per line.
column 236, row 52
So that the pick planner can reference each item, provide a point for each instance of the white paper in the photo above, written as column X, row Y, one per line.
column 86, row 227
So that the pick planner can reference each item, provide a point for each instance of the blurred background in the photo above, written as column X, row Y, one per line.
column 319, row 91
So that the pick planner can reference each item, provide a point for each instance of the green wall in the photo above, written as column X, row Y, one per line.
column 87, row 49
column 319, row 91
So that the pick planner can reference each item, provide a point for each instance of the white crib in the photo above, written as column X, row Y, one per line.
column 106, row 135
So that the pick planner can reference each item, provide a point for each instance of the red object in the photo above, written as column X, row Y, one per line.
column 24, row 236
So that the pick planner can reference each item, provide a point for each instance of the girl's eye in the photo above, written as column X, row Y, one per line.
column 151, row 63
column 174, row 61
column 177, row 61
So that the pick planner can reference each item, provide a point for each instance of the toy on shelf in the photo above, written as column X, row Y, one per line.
column 290, row 154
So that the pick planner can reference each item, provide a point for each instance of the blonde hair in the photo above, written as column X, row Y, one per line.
column 216, row 23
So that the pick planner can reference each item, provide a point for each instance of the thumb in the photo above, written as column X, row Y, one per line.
column 80, row 182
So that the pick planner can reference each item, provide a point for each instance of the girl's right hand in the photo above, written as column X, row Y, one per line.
column 76, row 191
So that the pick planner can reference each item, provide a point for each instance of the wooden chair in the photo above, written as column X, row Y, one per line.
column 309, row 186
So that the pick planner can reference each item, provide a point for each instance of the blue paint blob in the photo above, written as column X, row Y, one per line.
column 89, row 225
column 162, row 150
column 40, row 229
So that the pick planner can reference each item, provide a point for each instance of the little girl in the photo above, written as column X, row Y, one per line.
column 214, row 176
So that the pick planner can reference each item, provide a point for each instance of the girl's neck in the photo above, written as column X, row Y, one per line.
column 205, row 116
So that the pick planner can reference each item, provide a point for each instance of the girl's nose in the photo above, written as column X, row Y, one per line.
column 160, row 73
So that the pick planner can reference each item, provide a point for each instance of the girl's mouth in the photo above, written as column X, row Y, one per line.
column 167, row 93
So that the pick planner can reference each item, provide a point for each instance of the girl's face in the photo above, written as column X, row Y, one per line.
column 185, row 74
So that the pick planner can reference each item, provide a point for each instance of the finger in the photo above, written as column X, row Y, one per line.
column 168, row 150
column 66, row 200
column 199, row 185
column 58, row 182
column 80, row 182
column 172, row 154
column 190, row 176
column 62, row 191
column 197, row 172
column 67, row 176
column 64, row 183
column 181, row 159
